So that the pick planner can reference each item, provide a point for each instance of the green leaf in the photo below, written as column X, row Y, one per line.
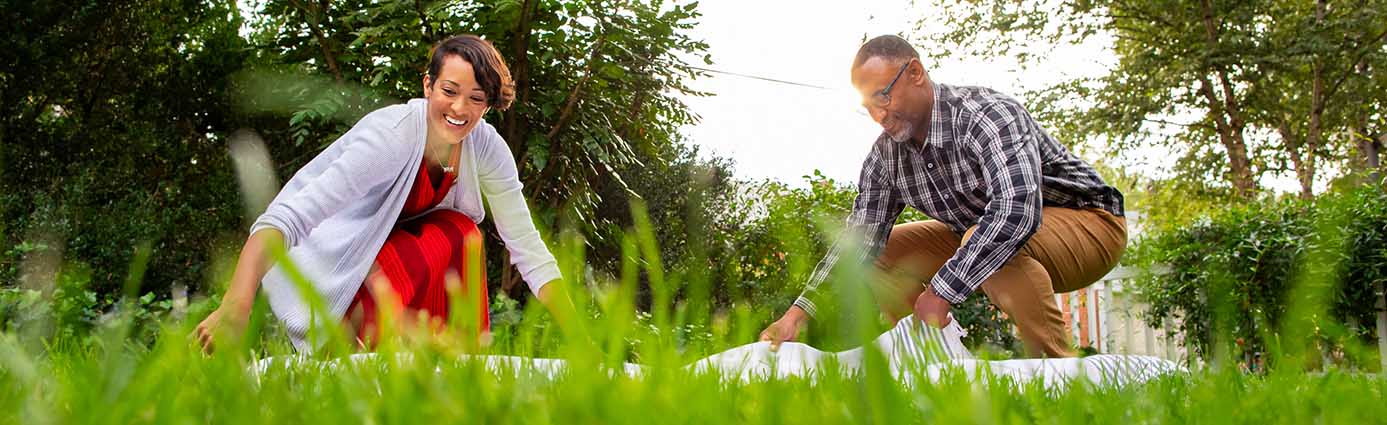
column 613, row 71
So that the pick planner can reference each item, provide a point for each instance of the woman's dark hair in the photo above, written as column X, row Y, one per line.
column 491, row 71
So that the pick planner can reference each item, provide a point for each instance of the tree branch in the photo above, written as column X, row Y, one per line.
column 566, row 115
column 1230, row 104
column 570, row 105
column 1363, row 52
column 1140, row 13
column 1215, row 109
column 311, row 19
column 520, row 74
column 1178, row 124
column 426, row 27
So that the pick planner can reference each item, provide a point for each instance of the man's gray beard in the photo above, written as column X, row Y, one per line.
column 907, row 129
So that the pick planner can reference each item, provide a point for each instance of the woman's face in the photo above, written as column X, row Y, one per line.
column 456, row 101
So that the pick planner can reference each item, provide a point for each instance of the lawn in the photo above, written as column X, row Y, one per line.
column 107, row 379
column 118, row 373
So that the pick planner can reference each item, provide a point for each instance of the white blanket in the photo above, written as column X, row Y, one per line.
column 910, row 349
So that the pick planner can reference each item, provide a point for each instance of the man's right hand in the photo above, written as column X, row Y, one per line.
column 787, row 328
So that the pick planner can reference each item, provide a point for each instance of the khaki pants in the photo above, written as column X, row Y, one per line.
column 1072, row 249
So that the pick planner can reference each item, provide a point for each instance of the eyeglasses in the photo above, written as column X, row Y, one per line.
column 883, row 98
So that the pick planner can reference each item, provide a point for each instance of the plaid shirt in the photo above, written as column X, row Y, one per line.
column 985, row 162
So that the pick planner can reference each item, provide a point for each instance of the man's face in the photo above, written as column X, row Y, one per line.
column 904, row 115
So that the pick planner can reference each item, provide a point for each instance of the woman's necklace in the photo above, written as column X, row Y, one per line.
column 443, row 161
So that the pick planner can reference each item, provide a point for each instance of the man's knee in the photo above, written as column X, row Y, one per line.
column 913, row 254
column 918, row 240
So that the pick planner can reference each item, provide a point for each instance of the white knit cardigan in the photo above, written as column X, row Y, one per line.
column 337, row 211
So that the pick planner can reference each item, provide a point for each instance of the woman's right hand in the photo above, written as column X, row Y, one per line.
column 787, row 328
column 227, row 321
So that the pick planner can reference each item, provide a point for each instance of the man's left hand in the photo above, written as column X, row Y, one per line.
column 932, row 309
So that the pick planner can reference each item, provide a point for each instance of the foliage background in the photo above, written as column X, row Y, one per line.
column 115, row 119
column 1235, row 278
column 123, row 142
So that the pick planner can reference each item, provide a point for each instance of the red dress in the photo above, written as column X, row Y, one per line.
column 418, row 259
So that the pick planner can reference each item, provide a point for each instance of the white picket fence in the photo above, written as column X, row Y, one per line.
column 1107, row 317
column 1109, row 320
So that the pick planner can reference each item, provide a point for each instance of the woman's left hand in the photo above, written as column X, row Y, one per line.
column 227, row 321
column 554, row 296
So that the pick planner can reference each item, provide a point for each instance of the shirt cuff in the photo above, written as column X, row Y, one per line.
column 290, row 239
column 808, row 306
column 540, row 276
column 942, row 288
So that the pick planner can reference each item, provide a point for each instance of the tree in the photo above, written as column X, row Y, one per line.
column 1248, row 70
column 1316, row 89
column 111, row 121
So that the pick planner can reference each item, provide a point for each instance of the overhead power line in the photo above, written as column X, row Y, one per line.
column 735, row 74
column 755, row 77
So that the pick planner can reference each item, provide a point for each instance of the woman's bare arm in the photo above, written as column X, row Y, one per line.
column 229, row 320
column 554, row 296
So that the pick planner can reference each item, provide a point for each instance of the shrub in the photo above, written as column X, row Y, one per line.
column 1235, row 275
column 752, row 245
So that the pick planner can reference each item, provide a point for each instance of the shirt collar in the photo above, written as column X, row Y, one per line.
column 938, row 118
column 940, row 114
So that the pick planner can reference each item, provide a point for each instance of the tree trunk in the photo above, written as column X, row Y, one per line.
column 425, row 28
column 1293, row 146
column 520, row 73
column 1226, row 113
column 1369, row 149
column 1313, row 134
column 1306, row 172
column 1239, row 166
column 311, row 18
column 509, row 275
column 515, row 133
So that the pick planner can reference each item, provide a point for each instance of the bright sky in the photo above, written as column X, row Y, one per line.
column 783, row 132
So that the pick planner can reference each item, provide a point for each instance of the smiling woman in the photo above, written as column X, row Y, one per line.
column 382, row 218
column 460, row 93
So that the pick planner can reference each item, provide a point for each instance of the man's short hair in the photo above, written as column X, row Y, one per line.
column 888, row 46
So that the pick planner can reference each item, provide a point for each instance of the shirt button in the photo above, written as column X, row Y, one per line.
column 930, row 165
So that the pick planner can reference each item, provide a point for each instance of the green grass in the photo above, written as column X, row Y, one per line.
column 107, row 376
column 171, row 383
